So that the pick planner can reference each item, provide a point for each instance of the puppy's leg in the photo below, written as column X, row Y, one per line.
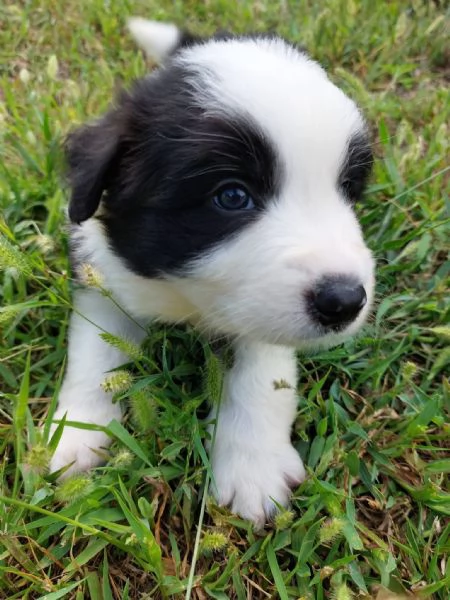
column 252, row 457
column 81, row 397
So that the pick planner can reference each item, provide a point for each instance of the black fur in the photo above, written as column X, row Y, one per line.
column 356, row 168
column 92, row 157
column 187, row 39
column 156, row 162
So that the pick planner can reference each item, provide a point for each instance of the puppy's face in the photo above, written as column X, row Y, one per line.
column 232, row 174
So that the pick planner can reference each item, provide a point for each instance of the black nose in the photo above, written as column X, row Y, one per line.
column 337, row 300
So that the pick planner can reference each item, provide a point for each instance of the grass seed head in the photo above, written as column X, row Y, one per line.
column 118, row 381
column 283, row 519
column 213, row 541
column 74, row 488
column 330, row 530
column 38, row 458
column 91, row 276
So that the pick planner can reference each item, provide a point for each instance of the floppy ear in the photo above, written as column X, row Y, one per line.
column 93, row 154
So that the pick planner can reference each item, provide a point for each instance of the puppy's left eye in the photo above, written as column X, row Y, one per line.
column 233, row 197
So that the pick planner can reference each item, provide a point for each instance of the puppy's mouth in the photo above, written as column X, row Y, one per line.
column 319, row 332
column 304, row 334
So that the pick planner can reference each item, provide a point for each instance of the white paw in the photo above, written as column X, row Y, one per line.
column 82, row 449
column 249, row 477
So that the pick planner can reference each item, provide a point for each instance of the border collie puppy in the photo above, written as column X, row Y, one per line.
column 219, row 191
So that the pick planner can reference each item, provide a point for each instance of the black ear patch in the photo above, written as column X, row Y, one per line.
column 356, row 168
column 93, row 154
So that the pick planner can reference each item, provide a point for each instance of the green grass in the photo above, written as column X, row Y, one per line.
column 372, row 423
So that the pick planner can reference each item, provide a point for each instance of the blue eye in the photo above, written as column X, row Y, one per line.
column 233, row 197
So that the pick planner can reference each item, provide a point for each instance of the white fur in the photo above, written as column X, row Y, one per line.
column 251, row 286
column 252, row 458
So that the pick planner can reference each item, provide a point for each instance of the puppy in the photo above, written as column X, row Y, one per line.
column 219, row 191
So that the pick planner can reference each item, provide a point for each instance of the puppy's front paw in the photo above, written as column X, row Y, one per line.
column 250, row 477
column 82, row 449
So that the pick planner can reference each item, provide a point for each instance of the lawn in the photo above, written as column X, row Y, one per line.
column 372, row 424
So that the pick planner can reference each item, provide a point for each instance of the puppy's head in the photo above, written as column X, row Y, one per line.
column 232, row 172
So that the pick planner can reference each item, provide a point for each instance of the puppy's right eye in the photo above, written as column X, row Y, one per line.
column 233, row 197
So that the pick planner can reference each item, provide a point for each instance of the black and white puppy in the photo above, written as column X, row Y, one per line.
column 219, row 191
